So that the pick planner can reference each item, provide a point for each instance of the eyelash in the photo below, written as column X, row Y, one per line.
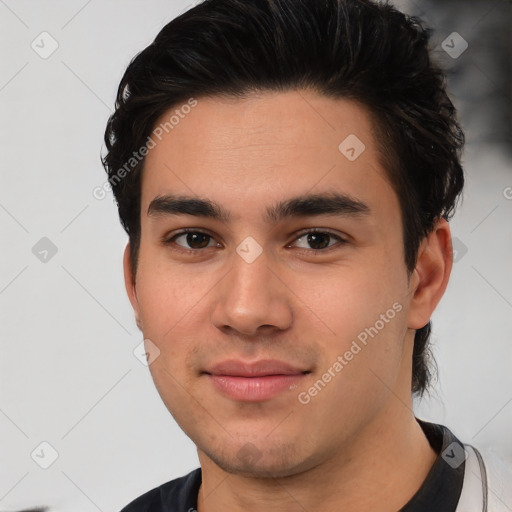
column 179, row 248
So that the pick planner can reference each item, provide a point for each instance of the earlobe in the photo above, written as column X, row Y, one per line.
column 129, row 282
column 431, row 275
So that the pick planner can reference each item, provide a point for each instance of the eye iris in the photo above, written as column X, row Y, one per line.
column 315, row 240
column 195, row 238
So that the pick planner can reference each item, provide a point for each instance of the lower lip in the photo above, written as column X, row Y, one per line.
column 253, row 389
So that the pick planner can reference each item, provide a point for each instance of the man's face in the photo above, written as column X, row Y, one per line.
column 308, row 300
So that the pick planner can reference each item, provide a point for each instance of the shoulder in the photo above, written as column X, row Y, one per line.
column 178, row 494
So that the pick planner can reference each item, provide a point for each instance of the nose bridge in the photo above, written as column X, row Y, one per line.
column 251, row 295
column 250, row 283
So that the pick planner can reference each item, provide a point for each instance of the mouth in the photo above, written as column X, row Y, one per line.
column 254, row 382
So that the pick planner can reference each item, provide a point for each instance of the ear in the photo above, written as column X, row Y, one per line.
column 430, row 276
column 129, row 283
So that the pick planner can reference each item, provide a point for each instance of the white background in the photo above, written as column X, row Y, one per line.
column 67, row 372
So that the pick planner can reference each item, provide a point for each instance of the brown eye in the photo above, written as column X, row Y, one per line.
column 195, row 239
column 318, row 240
column 191, row 240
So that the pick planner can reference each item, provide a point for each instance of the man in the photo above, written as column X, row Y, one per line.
column 285, row 171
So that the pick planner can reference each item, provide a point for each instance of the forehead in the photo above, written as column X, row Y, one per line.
column 263, row 147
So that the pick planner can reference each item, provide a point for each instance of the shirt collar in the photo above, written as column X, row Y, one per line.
column 442, row 487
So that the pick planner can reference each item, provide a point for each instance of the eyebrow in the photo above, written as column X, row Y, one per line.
column 301, row 206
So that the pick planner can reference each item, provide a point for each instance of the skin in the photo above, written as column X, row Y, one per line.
column 356, row 445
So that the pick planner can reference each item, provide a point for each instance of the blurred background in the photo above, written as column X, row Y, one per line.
column 82, row 427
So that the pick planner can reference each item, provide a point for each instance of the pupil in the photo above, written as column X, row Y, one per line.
column 314, row 239
column 193, row 238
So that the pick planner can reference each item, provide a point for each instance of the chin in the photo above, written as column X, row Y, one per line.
column 268, row 462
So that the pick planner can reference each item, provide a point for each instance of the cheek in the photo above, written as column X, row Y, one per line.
column 364, row 358
column 351, row 299
column 362, row 312
column 169, row 292
column 166, row 304
column 171, row 322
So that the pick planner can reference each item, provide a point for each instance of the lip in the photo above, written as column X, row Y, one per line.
column 256, row 381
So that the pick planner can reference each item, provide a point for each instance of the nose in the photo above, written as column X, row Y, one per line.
column 252, row 299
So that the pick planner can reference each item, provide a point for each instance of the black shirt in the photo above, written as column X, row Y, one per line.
column 440, row 491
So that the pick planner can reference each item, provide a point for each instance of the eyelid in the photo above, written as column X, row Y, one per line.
column 327, row 231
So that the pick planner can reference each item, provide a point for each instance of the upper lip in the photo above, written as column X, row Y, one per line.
column 238, row 368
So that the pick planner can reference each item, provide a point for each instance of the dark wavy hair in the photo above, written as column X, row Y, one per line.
column 361, row 50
